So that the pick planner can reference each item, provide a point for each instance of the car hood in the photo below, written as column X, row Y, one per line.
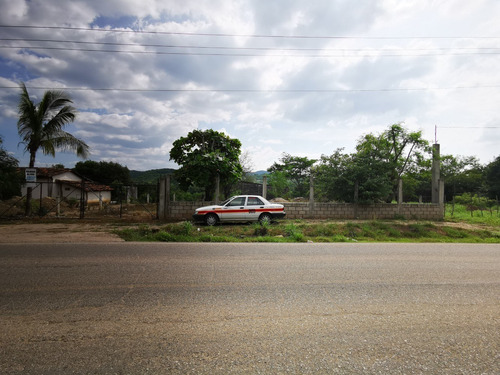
column 208, row 208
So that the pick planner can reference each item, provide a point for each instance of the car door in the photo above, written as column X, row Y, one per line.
column 234, row 210
column 254, row 208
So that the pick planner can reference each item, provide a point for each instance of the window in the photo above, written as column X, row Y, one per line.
column 254, row 201
column 240, row 201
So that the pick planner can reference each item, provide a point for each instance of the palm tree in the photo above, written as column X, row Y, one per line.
column 41, row 127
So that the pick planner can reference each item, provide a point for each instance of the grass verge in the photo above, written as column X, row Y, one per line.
column 314, row 231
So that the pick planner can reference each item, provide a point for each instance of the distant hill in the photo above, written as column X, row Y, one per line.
column 259, row 173
column 149, row 177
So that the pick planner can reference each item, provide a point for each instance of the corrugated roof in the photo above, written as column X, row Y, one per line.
column 89, row 186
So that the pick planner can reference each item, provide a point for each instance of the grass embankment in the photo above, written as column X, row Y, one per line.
column 324, row 231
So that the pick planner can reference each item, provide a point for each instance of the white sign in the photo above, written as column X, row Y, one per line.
column 30, row 174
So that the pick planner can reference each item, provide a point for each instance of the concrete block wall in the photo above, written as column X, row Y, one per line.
column 422, row 211
column 336, row 211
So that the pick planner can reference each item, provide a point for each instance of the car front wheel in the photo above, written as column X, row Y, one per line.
column 211, row 219
column 265, row 218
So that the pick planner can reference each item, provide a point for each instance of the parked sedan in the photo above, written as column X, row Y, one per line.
column 240, row 208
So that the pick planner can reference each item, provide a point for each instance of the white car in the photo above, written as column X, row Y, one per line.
column 240, row 208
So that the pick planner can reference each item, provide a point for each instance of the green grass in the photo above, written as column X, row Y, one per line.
column 462, row 213
column 320, row 231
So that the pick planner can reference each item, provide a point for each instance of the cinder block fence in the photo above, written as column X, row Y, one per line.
column 169, row 210
column 337, row 211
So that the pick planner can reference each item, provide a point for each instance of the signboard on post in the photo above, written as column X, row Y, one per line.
column 30, row 174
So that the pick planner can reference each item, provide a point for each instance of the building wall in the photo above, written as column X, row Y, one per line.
column 303, row 210
column 93, row 197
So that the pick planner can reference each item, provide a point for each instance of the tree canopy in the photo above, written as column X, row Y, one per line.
column 104, row 172
column 397, row 148
column 41, row 127
column 204, row 155
column 297, row 169
column 493, row 178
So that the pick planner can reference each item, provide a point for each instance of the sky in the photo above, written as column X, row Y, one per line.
column 282, row 76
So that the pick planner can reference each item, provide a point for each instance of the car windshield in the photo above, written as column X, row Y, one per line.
column 226, row 201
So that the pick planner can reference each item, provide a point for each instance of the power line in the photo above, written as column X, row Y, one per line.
column 244, row 54
column 468, row 127
column 244, row 48
column 256, row 90
column 243, row 35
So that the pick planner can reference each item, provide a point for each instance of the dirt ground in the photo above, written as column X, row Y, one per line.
column 57, row 233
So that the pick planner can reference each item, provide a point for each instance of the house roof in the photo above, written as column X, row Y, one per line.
column 89, row 186
column 50, row 172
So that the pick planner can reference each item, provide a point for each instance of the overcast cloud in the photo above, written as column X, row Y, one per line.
column 302, row 77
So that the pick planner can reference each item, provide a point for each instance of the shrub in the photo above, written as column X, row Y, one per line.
column 261, row 229
column 165, row 237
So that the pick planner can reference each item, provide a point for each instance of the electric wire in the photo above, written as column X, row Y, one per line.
column 243, row 35
column 270, row 91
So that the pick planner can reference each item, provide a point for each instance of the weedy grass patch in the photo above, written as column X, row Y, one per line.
column 315, row 231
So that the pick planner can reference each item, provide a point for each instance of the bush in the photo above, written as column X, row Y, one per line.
column 261, row 229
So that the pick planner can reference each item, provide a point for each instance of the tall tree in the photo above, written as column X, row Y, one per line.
column 360, row 177
column 204, row 155
column 297, row 169
column 493, row 178
column 41, row 127
column 399, row 148
column 104, row 172
column 462, row 175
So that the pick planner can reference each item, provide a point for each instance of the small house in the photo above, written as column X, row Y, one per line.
column 65, row 184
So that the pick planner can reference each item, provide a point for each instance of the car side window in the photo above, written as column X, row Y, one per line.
column 254, row 201
column 240, row 201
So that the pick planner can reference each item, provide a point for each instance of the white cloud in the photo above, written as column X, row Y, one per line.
column 137, row 128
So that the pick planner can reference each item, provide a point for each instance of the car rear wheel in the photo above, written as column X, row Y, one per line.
column 265, row 218
column 211, row 219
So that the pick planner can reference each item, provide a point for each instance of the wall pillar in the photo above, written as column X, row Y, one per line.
column 436, row 172
column 311, row 195
column 217, row 189
column 164, row 207
column 400, row 191
column 264, row 187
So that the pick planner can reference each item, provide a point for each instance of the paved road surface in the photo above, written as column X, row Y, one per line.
column 249, row 308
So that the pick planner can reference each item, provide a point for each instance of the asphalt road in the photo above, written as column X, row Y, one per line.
column 132, row 308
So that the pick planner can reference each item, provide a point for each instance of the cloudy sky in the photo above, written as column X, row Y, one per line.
column 301, row 77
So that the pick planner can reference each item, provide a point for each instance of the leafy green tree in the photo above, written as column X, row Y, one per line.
column 359, row 177
column 297, row 169
column 279, row 185
column 104, row 172
column 399, row 148
column 204, row 155
column 41, row 127
column 462, row 175
column 10, row 179
column 332, row 181
column 493, row 178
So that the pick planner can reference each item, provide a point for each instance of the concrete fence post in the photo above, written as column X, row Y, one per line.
column 217, row 189
column 264, row 187
column 164, row 209
column 441, row 196
column 400, row 191
column 311, row 195
column 436, row 172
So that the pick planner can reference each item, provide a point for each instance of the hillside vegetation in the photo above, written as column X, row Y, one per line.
column 149, row 177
